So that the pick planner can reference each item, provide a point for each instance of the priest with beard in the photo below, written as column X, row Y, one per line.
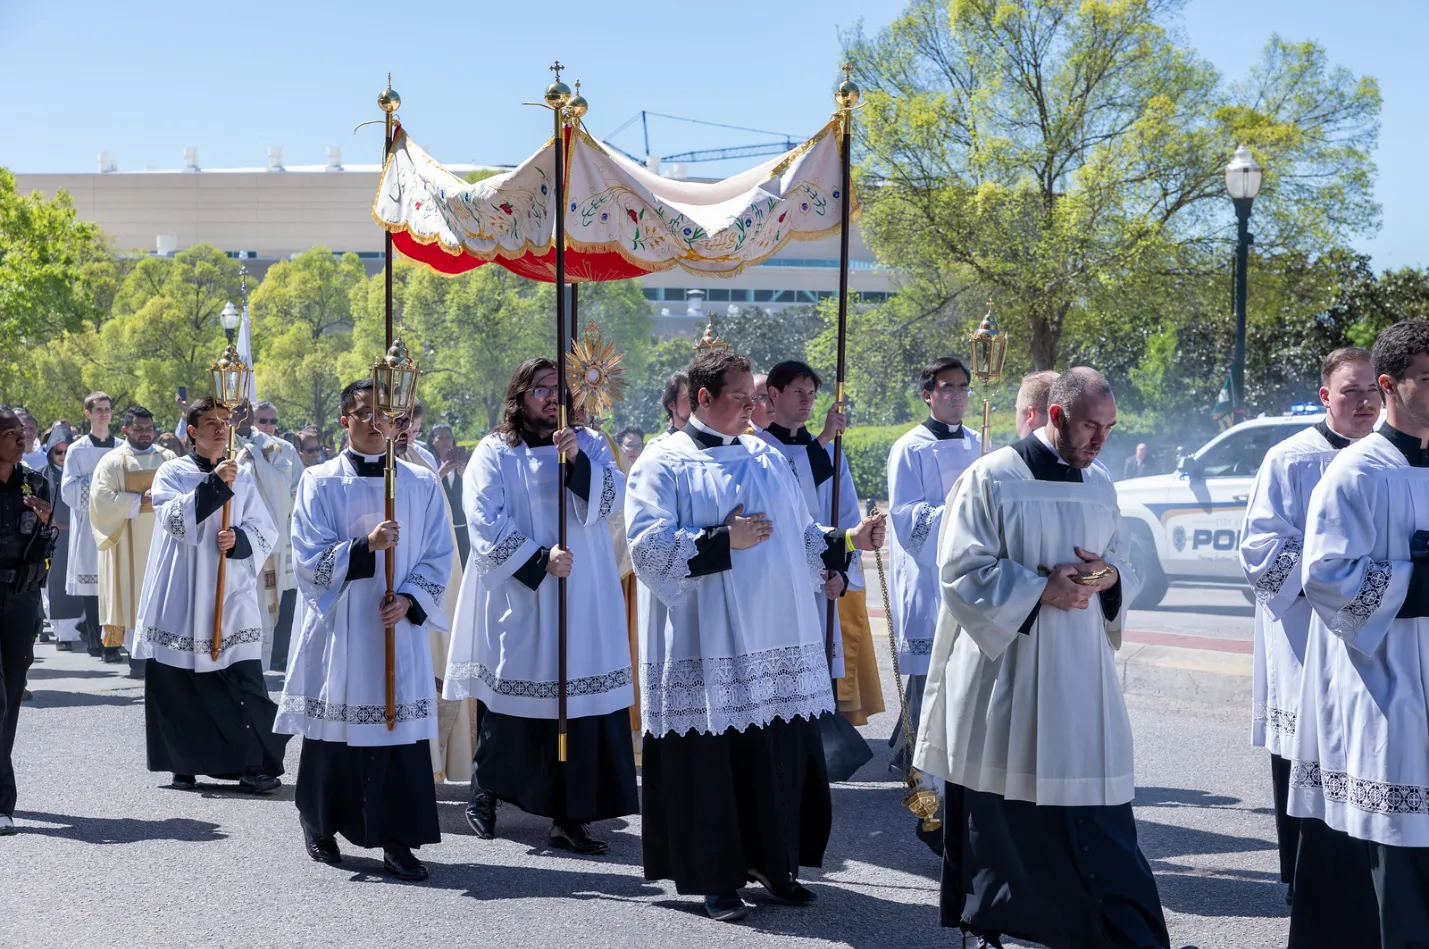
column 734, row 679
column 205, row 715
column 1273, row 539
column 121, row 514
column 1360, row 772
column 505, row 643
column 1023, row 713
column 356, row 776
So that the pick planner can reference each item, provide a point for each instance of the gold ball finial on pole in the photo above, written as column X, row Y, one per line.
column 557, row 93
column 388, row 100
column 848, row 93
column 578, row 106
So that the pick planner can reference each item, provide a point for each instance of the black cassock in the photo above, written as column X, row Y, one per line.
column 1063, row 877
column 216, row 723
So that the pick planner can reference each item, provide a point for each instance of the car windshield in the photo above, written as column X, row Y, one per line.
column 1240, row 453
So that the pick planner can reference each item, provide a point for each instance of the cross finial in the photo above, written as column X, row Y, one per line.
column 578, row 87
column 556, row 68
column 847, row 67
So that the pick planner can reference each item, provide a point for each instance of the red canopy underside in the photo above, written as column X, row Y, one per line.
column 581, row 267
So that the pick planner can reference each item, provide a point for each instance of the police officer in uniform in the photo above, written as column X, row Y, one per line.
column 26, row 541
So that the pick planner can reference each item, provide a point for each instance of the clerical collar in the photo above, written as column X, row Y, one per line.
column 1043, row 461
column 1041, row 434
column 139, row 451
column 533, row 440
column 367, row 466
column 1336, row 440
column 787, row 437
column 942, row 430
column 1407, row 444
column 203, row 463
column 102, row 442
column 706, row 437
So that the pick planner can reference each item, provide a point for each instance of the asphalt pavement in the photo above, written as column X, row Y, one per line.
column 107, row 857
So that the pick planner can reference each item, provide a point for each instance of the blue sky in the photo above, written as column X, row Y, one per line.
column 144, row 79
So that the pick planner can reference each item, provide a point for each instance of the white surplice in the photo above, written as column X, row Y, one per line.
column 742, row 646
column 336, row 684
column 1361, row 752
column 1035, row 716
column 921, row 472
column 1271, row 546
column 504, row 642
column 81, row 460
column 180, row 580
column 820, row 500
column 277, row 469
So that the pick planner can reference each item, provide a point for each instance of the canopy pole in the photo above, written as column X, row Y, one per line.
column 846, row 96
column 557, row 95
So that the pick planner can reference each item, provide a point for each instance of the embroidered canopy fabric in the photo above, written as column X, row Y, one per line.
column 621, row 220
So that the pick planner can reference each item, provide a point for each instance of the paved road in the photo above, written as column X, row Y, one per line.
column 106, row 857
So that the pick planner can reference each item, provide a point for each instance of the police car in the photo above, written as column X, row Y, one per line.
column 1186, row 525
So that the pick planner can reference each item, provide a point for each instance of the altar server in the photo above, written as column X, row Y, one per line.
column 1023, row 712
column 791, row 388
column 1361, row 756
column 121, row 514
column 82, row 579
column 735, row 678
column 206, row 716
column 504, row 647
column 65, row 612
column 1272, row 540
column 922, row 467
column 276, row 470
column 456, row 719
column 356, row 777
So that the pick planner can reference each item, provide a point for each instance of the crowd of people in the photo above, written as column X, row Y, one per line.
column 688, row 658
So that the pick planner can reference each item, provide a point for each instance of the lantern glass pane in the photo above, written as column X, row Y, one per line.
column 999, row 356
column 403, row 395
column 217, row 383
column 382, row 387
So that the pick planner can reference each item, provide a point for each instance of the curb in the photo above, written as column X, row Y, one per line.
column 1206, row 675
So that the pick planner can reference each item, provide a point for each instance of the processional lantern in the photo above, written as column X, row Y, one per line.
column 394, row 382
column 231, row 377
column 989, row 354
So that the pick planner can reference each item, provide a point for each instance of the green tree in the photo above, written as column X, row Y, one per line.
column 1046, row 151
column 303, row 318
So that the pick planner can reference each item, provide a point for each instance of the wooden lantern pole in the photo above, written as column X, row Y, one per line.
column 389, row 101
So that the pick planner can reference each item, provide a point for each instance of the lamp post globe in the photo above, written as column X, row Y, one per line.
column 1243, row 177
column 230, row 319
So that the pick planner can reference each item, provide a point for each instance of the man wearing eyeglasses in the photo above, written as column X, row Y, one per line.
column 505, row 638
column 922, row 467
column 276, row 469
column 763, row 412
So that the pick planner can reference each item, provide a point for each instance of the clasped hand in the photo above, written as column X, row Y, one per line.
column 1065, row 593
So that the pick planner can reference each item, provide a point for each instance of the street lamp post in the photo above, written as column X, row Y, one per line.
column 1243, row 183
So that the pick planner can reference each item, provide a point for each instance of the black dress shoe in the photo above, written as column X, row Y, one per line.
column 95, row 652
column 481, row 814
column 789, row 890
column 403, row 864
column 983, row 942
column 111, row 654
column 575, row 837
column 258, row 784
column 183, row 782
column 322, row 849
column 64, row 647
column 726, row 907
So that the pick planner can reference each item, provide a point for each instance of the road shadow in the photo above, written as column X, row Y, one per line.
column 52, row 698
column 37, row 673
column 120, row 830
column 1190, row 797
column 1243, row 893
column 1166, row 841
